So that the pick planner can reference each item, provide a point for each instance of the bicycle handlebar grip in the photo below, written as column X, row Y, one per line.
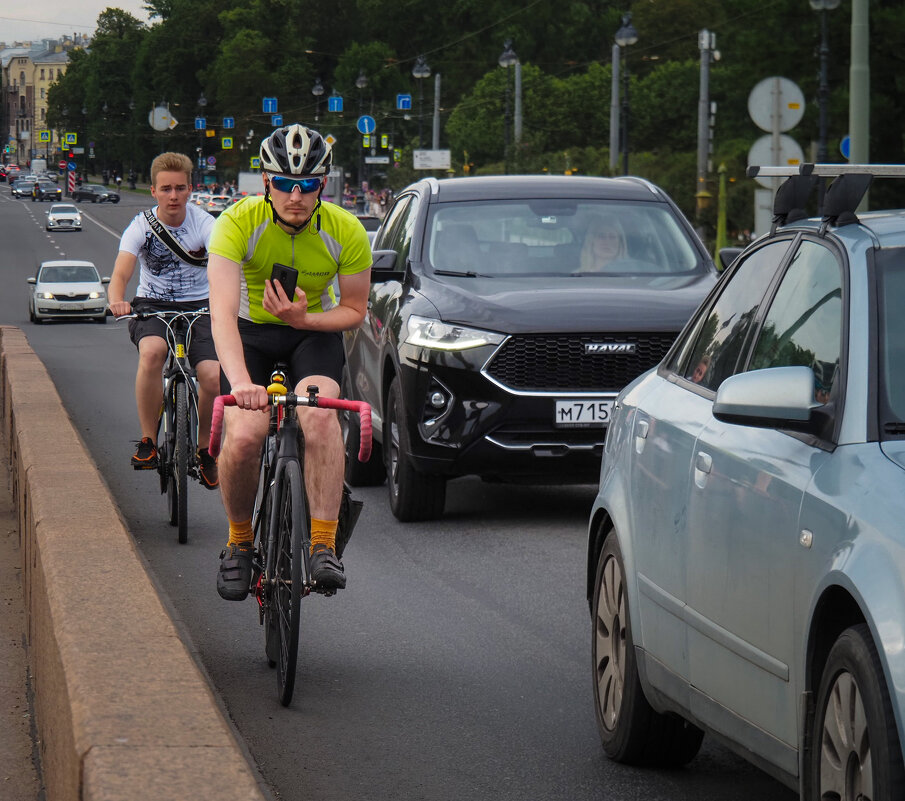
column 217, row 422
column 364, row 421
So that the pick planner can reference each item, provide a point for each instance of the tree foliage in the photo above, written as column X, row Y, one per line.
column 238, row 51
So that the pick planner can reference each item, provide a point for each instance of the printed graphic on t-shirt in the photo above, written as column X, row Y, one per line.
column 159, row 261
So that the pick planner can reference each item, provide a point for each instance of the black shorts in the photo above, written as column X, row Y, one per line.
column 201, row 343
column 305, row 353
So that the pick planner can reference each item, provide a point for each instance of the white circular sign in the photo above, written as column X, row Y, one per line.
column 779, row 99
column 159, row 118
column 761, row 153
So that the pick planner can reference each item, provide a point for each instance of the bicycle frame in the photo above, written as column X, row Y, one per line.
column 178, row 370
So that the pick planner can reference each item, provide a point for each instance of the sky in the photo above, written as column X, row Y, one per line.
column 24, row 20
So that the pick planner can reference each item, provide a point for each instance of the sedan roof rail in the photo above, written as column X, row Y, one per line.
column 827, row 170
column 850, row 184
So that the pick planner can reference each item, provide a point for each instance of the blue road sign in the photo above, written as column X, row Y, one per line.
column 71, row 166
column 403, row 102
column 200, row 124
column 335, row 103
column 366, row 124
column 269, row 105
column 276, row 120
column 845, row 146
column 229, row 122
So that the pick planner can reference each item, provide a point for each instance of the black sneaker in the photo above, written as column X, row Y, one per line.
column 145, row 457
column 326, row 570
column 207, row 469
column 234, row 578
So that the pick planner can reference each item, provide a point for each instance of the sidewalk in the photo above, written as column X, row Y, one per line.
column 19, row 777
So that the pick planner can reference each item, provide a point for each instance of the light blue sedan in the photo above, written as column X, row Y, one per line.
column 746, row 555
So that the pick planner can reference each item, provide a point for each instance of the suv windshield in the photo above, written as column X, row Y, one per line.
column 559, row 237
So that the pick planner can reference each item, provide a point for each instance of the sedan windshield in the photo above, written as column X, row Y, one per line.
column 68, row 274
column 64, row 209
column 561, row 237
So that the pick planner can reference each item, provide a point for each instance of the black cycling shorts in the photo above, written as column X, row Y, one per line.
column 306, row 353
column 201, row 342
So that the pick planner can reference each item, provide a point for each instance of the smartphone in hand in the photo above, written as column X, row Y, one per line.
column 287, row 278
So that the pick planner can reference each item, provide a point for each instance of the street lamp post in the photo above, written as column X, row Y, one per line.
column 361, row 83
column 823, row 92
column 317, row 90
column 507, row 59
column 421, row 71
column 106, row 141
column 131, row 143
column 625, row 37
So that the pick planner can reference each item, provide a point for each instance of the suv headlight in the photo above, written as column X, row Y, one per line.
column 427, row 333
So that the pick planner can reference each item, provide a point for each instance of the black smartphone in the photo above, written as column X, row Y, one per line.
column 287, row 277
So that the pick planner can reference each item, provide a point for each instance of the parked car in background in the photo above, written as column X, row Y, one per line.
column 96, row 193
column 63, row 216
column 746, row 555
column 65, row 289
column 493, row 347
column 22, row 188
column 48, row 190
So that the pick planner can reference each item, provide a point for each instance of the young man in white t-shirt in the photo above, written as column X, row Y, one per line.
column 168, row 282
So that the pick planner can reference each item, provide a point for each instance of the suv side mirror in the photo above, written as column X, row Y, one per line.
column 727, row 256
column 383, row 268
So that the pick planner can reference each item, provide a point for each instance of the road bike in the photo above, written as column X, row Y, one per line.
column 281, row 574
column 177, row 434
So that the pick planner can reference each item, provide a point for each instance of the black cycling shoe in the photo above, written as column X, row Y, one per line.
column 207, row 469
column 234, row 578
column 326, row 570
column 145, row 457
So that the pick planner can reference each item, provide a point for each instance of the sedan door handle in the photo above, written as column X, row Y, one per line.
column 702, row 464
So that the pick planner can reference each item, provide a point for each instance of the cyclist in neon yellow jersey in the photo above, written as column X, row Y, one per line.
column 255, row 325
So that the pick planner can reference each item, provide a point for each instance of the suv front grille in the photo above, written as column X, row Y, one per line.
column 73, row 298
column 559, row 363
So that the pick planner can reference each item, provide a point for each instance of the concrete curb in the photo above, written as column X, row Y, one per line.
column 122, row 710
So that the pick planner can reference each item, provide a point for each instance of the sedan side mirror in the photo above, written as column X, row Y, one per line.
column 32, row 280
column 383, row 266
column 775, row 397
column 105, row 279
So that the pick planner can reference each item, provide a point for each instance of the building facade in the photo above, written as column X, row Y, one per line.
column 28, row 72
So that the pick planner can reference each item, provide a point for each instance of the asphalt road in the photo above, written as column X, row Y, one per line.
column 457, row 662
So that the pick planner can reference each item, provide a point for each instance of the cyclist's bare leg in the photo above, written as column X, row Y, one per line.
column 208, row 372
column 152, row 353
column 240, row 460
column 324, row 451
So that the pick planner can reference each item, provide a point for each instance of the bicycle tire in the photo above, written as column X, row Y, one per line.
column 263, row 529
column 179, row 476
column 289, row 533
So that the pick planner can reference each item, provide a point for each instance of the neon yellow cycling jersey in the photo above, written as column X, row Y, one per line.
column 246, row 234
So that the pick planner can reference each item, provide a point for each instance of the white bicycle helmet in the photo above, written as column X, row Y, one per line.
column 296, row 150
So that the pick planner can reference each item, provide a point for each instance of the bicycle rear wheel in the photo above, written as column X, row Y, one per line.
column 177, row 489
column 289, row 533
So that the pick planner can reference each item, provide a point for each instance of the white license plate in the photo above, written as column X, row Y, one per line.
column 74, row 306
column 582, row 413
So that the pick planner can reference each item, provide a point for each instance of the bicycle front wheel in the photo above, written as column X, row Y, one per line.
column 289, row 533
column 177, row 489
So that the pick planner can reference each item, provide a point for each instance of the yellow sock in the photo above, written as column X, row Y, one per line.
column 241, row 533
column 323, row 532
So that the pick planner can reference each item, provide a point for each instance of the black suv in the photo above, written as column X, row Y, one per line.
column 95, row 193
column 48, row 190
column 495, row 341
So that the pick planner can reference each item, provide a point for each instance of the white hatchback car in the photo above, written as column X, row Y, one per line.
column 63, row 216
column 67, row 288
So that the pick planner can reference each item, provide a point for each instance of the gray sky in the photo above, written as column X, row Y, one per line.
column 23, row 20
